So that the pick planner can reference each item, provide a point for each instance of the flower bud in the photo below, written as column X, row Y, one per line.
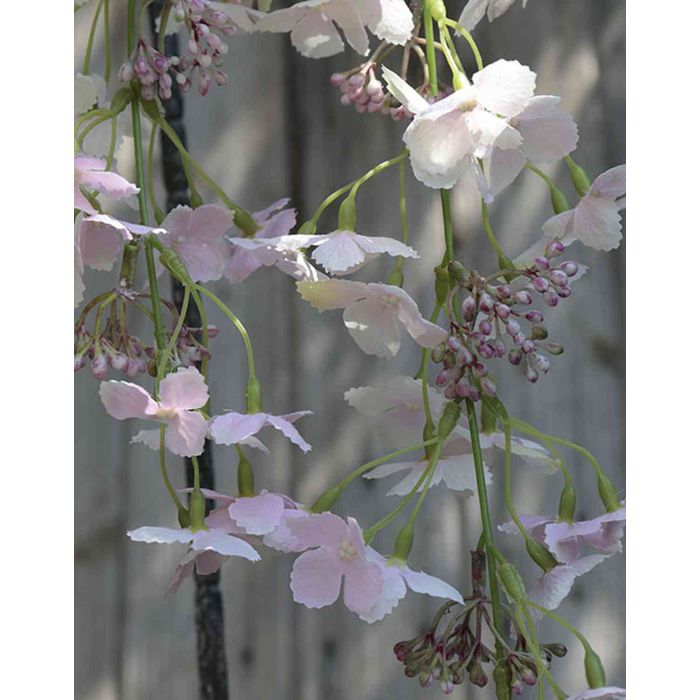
column 504, row 292
column 502, row 311
column 569, row 268
column 541, row 284
column 551, row 298
column 554, row 249
column 540, row 554
column 531, row 374
column 534, row 316
column 99, row 367
column 438, row 353
column 485, row 327
column 528, row 676
column 528, row 347
column 478, row 676
column 579, row 177
column 542, row 362
column 559, row 650
column 453, row 343
column 449, row 419
column 464, row 357
column 468, row 308
column 558, row 278
column 512, row 582
column 337, row 79
column 442, row 379
column 554, row 348
column 512, row 327
column 119, row 361
column 79, row 361
column 539, row 332
column 486, row 303
column 515, row 357
column 488, row 387
column 567, row 503
column 541, row 263
column 564, row 292
column 442, row 284
column 559, row 201
column 450, row 360
column 595, row 673
column 523, row 297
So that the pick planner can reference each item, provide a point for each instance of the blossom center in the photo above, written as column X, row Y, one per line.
column 162, row 412
column 468, row 105
column 390, row 300
column 346, row 551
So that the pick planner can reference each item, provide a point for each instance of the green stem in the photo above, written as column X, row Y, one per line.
column 447, row 225
column 163, row 365
column 112, row 144
column 238, row 325
column 204, row 365
column 157, row 213
column 91, row 38
column 108, row 50
column 430, row 48
column 164, row 473
column 561, row 621
column 469, row 39
column 542, row 174
column 432, row 465
column 486, row 523
column 131, row 28
column 457, row 74
column 503, row 260
column 402, row 203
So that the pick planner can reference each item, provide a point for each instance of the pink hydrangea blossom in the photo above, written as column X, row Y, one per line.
column 607, row 693
column 445, row 136
column 475, row 10
column 236, row 428
column 595, row 220
column 454, row 468
column 313, row 23
column 373, row 313
column 343, row 252
column 90, row 174
column 398, row 576
column 274, row 221
column 336, row 553
column 181, row 394
column 197, row 236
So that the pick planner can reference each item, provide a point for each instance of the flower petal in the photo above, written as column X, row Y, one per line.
column 420, row 582
column 126, row 400
column 223, row 544
column 315, row 36
column 315, row 579
column 232, row 428
column 504, row 87
column 186, row 433
column 162, row 535
column 403, row 92
column 184, row 389
column 289, row 431
column 257, row 515
column 363, row 585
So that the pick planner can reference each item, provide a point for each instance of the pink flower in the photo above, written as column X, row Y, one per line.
column 181, row 393
column 397, row 576
column 607, row 693
column 274, row 221
column 344, row 252
column 312, row 24
column 372, row 314
column 595, row 220
column 336, row 552
column 100, row 239
column 236, row 428
column 90, row 173
column 564, row 539
column 475, row 10
column 197, row 236
column 455, row 468
column 208, row 548
column 551, row 589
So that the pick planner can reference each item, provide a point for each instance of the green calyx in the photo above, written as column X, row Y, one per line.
column 197, row 511
column 443, row 284
column 253, row 395
column 567, row 503
column 579, row 177
column 607, row 493
column 595, row 673
column 540, row 554
column 559, row 201
column 403, row 543
column 512, row 582
column 245, row 222
column 246, row 480
column 448, row 420
column 347, row 214
column 326, row 500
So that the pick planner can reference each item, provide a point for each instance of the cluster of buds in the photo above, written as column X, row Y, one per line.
column 453, row 649
column 205, row 48
column 493, row 317
column 119, row 350
column 152, row 70
column 362, row 88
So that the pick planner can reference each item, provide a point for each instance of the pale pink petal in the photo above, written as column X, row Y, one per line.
column 425, row 333
column 232, row 428
column 340, row 252
column 393, row 591
column 315, row 36
column 607, row 693
column 560, row 227
column 403, row 92
column 282, row 538
column 331, row 294
column 186, row 433
column 315, row 579
column 500, row 170
column 472, row 14
column 504, row 87
column 420, row 582
column 208, row 562
column 372, row 323
column 549, row 133
column 318, row 530
column 162, row 535
column 346, row 16
column 459, row 474
column 289, row 431
column 184, row 569
column 223, row 544
column 184, row 389
column 550, row 590
column 446, row 180
column 363, row 585
column 100, row 239
column 266, row 215
column 126, row 400
column 597, row 223
column 108, row 183
column 150, row 438
column 282, row 20
column 257, row 515
column 390, row 20
column 490, row 130
column 611, row 184
column 376, row 245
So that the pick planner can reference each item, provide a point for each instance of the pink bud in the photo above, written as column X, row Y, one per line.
column 374, row 87
column 558, row 278
column 523, row 297
column 99, row 367
column 551, row 298
column 570, row 268
column 554, row 249
column 540, row 284
column 337, row 79
column 119, row 361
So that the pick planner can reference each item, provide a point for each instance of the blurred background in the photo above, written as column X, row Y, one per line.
column 277, row 129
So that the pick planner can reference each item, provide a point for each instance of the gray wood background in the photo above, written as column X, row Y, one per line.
column 277, row 129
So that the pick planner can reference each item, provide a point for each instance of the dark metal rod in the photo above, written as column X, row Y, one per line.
column 208, row 601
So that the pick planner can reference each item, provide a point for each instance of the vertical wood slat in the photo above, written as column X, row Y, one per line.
column 130, row 643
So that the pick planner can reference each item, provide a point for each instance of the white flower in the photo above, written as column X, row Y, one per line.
column 445, row 136
column 595, row 220
column 475, row 10
column 314, row 24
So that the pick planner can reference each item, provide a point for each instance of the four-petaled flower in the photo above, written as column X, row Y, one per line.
column 181, row 394
column 372, row 314
column 336, row 553
column 595, row 220
column 240, row 428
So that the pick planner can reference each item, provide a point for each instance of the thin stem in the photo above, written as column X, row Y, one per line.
column 376, row 170
column 91, row 38
column 432, row 466
column 457, row 74
column 343, row 483
column 195, row 471
column 500, row 253
column 402, row 203
column 541, row 173
column 485, row 522
column 238, row 325
column 163, row 365
column 469, row 39
column 164, row 473
column 561, row 621
column 108, row 50
column 157, row 213
column 509, row 481
column 447, row 225
column 164, row 15
column 430, row 48
column 205, row 334
column 112, row 143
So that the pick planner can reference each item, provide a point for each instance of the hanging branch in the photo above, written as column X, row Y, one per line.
column 209, row 608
